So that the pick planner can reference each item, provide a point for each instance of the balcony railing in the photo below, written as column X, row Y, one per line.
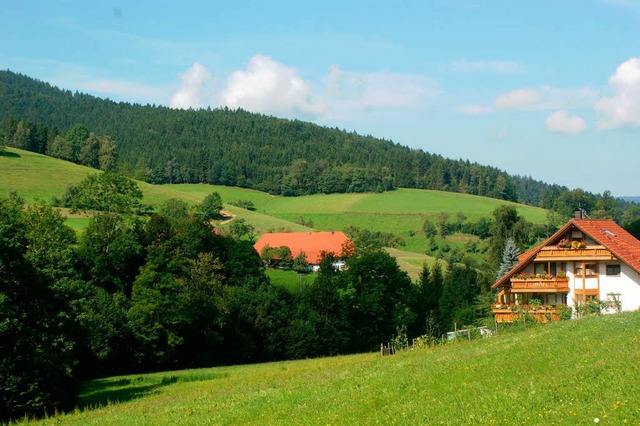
column 562, row 254
column 511, row 313
column 540, row 285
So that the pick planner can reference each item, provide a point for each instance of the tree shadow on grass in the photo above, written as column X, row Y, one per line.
column 9, row 154
column 102, row 392
column 99, row 393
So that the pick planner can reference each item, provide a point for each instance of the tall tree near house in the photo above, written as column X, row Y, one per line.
column 509, row 258
column 300, row 263
column 378, row 293
column 460, row 289
column 506, row 224
column 425, row 301
column 239, row 228
column 633, row 228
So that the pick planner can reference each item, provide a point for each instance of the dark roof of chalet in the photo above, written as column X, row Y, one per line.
column 605, row 232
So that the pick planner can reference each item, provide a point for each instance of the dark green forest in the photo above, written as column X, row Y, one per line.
column 237, row 148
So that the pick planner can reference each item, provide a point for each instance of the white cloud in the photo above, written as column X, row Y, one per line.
column 562, row 122
column 268, row 86
column 349, row 92
column 518, row 99
column 622, row 109
column 192, row 83
column 557, row 98
column 504, row 67
column 474, row 109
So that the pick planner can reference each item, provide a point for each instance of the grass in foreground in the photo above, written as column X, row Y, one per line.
column 565, row 373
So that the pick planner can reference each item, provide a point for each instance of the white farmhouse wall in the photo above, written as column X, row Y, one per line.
column 627, row 285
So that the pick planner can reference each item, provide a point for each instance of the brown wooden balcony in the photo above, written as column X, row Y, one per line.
column 540, row 285
column 564, row 254
column 510, row 313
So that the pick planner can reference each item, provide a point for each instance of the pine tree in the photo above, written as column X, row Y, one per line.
column 509, row 258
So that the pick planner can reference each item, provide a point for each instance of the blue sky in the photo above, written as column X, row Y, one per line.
column 549, row 89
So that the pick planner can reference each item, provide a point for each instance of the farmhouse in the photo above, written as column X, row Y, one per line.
column 585, row 260
column 312, row 244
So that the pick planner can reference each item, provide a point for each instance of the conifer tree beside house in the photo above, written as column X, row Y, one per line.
column 509, row 257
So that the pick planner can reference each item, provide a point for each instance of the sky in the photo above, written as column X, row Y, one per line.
column 547, row 89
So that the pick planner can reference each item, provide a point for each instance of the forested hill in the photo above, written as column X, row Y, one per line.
column 238, row 148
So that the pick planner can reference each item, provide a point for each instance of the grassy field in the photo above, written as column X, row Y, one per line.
column 575, row 372
column 412, row 262
column 290, row 279
column 35, row 176
column 401, row 212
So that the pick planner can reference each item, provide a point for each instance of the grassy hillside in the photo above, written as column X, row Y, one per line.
column 561, row 373
column 35, row 176
column 400, row 212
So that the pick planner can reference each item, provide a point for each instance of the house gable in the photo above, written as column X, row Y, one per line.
column 613, row 238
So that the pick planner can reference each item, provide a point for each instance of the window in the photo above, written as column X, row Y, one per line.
column 545, row 268
column 613, row 269
column 589, row 269
column 577, row 236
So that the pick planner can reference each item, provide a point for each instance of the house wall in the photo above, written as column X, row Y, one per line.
column 626, row 285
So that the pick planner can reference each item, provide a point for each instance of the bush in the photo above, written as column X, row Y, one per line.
column 244, row 204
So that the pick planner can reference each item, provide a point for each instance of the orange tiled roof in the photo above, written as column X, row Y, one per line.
column 311, row 243
column 605, row 232
column 622, row 244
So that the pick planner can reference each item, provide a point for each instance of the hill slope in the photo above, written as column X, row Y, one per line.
column 560, row 373
column 401, row 212
column 238, row 148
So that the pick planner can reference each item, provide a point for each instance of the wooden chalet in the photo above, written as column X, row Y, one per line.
column 586, row 259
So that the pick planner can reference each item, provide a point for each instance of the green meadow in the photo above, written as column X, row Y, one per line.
column 290, row 280
column 574, row 372
column 401, row 212
column 38, row 177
